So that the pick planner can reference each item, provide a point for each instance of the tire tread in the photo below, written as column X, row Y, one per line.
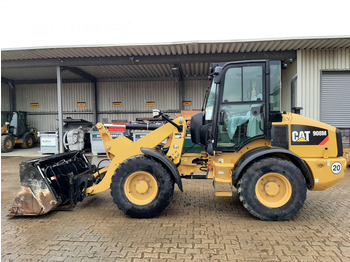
column 165, row 188
column 252, row 204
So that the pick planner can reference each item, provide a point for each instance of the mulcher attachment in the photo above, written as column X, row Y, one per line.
column 49, row 182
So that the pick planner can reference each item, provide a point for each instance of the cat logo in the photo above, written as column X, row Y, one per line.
column 308, row 135
column 301, row 136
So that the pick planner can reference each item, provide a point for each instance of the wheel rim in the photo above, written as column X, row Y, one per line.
column 141, row 188
column 273, row 190
column 30, row 142
column 8, row 144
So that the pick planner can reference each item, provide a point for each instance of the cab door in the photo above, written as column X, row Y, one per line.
column 241, row 111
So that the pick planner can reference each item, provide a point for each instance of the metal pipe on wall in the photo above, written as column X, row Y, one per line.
column 60, row 109
column 95, row 101
column 12, row 96
column 181, row 94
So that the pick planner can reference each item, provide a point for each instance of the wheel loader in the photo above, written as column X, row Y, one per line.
column 270, row 158
column 16, row 131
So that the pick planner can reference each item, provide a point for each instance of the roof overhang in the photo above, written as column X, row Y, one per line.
column 140, row 62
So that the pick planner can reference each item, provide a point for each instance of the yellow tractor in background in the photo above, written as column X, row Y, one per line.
column 270, row 158
column 16, row 131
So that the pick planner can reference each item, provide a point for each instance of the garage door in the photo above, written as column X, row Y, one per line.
column 335, row 98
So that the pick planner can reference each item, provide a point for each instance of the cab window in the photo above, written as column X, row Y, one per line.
column 241, row 109
column 243, row 84
column 210, row 102
column 275, row 86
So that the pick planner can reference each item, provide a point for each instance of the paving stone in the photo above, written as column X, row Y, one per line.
column 196, row 226
column 57, row 258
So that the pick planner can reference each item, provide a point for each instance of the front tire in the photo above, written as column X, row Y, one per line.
column 7, row 143
column 272, row 189
column 141, row 187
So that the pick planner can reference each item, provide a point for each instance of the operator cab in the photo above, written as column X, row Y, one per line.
column 244, row 99
column 18, row 125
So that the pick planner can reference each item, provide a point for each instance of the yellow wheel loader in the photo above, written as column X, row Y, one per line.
column 270, row 158
column 15, row 131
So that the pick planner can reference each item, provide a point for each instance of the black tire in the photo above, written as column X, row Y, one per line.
column 28, row 140
column 252, row 185
column 153, row 170
column 7, row 143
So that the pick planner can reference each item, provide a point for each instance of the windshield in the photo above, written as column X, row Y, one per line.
column 210, row 102
column 275, row 86
column 14, row 119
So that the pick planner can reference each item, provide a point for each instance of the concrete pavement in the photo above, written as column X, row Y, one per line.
column 197, row 226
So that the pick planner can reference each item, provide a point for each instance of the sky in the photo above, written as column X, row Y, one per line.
column 44, row 23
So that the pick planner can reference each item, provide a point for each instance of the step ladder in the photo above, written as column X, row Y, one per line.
column 222, row 188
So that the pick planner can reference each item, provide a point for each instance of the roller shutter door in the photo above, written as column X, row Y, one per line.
column 335, row 98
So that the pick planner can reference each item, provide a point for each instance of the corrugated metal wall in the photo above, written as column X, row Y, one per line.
column 132, row 95
column 46, row 96
column 195, row 92
column 5, row 99
column 43, row 122
column 44, row 117
column 310, row 63
column 74, row 93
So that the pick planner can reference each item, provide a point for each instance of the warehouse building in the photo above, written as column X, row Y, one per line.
column 120, row 83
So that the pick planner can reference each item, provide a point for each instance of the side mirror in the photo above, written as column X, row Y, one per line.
column 217, row 74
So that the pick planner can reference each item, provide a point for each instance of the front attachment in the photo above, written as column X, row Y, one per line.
column 52, row 181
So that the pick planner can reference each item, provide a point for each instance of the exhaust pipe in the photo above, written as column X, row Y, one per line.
column 51, row 182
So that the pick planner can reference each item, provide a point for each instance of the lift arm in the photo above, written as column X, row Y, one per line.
column 120, row 149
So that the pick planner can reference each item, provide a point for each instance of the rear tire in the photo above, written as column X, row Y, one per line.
column 272, row 189
column 7, row 143
column 141, row 187
column 28, row 140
